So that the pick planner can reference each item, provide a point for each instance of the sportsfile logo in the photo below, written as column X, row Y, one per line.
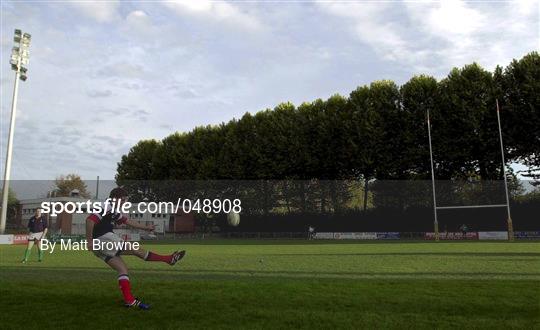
column 207, row 206
column 82, row 245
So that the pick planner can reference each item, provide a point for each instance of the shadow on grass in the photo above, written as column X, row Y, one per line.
column 445, row 254
column 278, row 241
column 82, row 273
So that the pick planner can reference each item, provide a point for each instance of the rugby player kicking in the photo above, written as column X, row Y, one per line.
column 100, row 227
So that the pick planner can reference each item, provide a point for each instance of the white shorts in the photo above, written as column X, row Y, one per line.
column 34, row 236
column 109, row 251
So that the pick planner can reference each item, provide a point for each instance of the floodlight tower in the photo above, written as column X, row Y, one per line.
column 19, row 63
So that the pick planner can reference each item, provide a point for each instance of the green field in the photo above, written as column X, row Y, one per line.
column 282, row 284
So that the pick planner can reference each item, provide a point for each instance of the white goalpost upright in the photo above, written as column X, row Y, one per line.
column 436, row 207
column 509, row 218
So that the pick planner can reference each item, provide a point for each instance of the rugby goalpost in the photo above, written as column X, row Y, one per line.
column 436, row 207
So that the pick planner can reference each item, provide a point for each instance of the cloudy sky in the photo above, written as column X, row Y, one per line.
column 105, row 75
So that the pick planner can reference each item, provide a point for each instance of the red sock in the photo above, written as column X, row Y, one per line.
column 123, row 280
column 151, row 256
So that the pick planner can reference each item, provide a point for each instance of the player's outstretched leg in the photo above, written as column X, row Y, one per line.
column 125, row 287
column 170, row 259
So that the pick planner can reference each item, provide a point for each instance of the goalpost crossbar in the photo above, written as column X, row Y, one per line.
column 469, row 206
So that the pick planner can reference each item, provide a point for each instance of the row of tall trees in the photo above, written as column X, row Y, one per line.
column 377, row 132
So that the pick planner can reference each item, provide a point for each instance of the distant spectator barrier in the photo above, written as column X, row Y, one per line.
column 452, row 236
column 6, row 239
column 449, row 236
column 365, row 235
column 493, row 235
column 20, row 239
column 527, row 234
column 391, row 235
column 356, row 235
column 324, row 235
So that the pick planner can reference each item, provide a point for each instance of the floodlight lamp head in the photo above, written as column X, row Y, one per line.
column 14, row 61
column 20, row 53
column 23, row 73
column 26, row 39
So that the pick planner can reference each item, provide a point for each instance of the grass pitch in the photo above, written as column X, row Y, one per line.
column 282, row 284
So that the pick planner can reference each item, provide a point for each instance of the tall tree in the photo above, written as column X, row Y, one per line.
column 385, row 101
column 378, row 132
column 65, row 185
column 136, row 169
column 138, row 164
column 366, row 133
column 418, row 96
column 521, row 110
column 465, row 137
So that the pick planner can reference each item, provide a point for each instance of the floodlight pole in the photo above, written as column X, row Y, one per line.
column 509, row 219
column 18, row 61
column 7, row 169
column 436, row 222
